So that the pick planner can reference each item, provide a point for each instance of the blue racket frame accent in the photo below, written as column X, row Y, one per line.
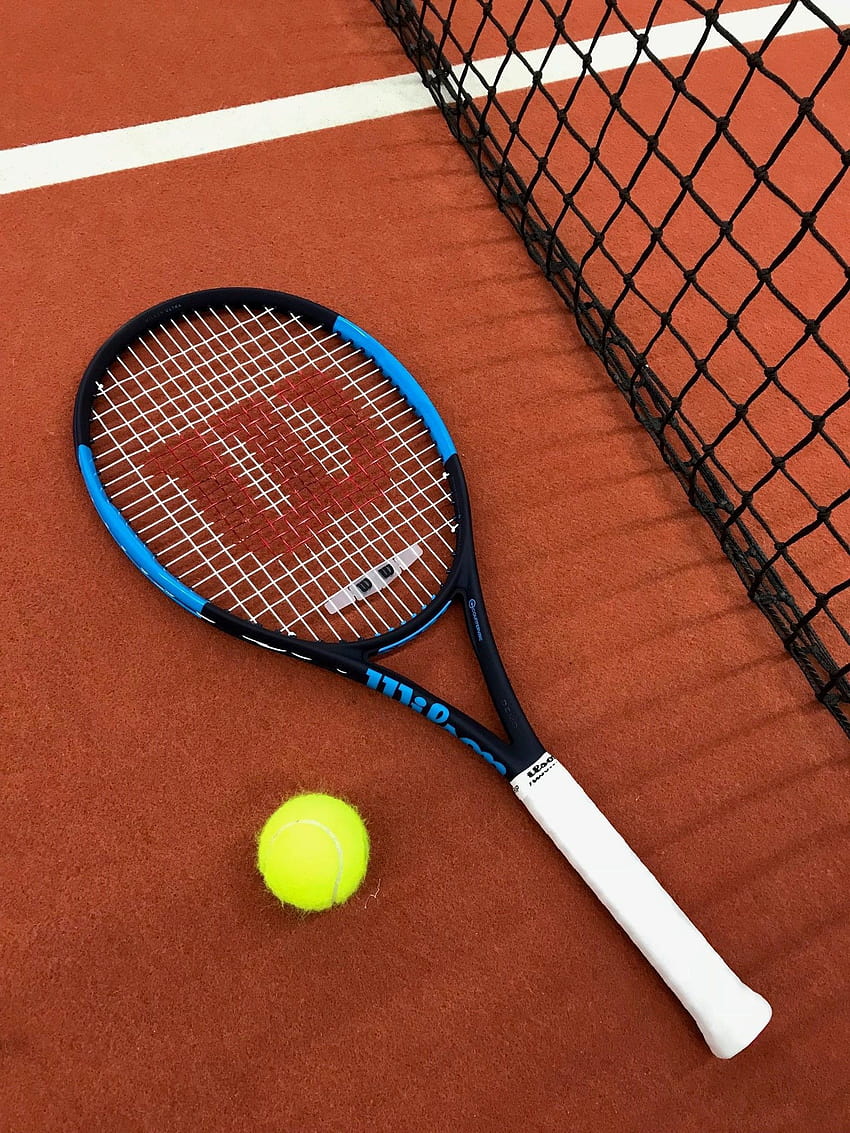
column 129, row 541
column 390, row 366
column 416, row 632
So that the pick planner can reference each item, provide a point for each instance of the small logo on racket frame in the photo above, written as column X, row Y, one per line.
column 430, row 709
column 474, row 615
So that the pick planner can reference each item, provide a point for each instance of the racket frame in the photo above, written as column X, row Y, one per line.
column 356, row 660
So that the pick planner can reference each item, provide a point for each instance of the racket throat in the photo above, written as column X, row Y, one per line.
column 522, row 747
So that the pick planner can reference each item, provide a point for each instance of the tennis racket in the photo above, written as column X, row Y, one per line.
column 277, row 472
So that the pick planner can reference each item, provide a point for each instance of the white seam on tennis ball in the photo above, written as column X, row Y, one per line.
column 331, row 835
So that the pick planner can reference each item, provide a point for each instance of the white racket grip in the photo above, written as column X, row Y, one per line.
column 728, row 1013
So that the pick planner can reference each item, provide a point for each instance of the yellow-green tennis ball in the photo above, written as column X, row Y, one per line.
column 313, row 852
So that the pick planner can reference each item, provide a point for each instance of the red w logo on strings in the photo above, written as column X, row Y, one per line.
column 281, row 465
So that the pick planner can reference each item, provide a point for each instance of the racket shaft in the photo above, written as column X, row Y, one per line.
column 728, row 1013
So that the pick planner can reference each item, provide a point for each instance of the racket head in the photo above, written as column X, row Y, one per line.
column 274, row 469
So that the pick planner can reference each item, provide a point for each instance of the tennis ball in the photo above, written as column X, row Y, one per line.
column 313, row 852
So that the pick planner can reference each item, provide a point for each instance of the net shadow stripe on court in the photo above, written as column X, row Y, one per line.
column 741, row 471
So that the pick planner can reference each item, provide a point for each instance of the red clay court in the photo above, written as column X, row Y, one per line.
column 677, row 171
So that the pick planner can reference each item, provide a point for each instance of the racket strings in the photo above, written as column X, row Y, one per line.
column 278, row 467
column 261, row 582
column 217, row 555
column 269, row 464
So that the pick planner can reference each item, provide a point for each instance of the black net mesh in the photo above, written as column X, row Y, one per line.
column 679, row 175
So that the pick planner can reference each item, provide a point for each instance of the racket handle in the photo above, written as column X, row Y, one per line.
column 728, row 1013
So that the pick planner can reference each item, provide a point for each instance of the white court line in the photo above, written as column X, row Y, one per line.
column 70, row 159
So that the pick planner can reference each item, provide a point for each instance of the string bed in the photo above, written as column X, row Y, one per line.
column 269, row 465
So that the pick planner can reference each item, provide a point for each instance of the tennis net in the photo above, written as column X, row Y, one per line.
column 680, row 176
